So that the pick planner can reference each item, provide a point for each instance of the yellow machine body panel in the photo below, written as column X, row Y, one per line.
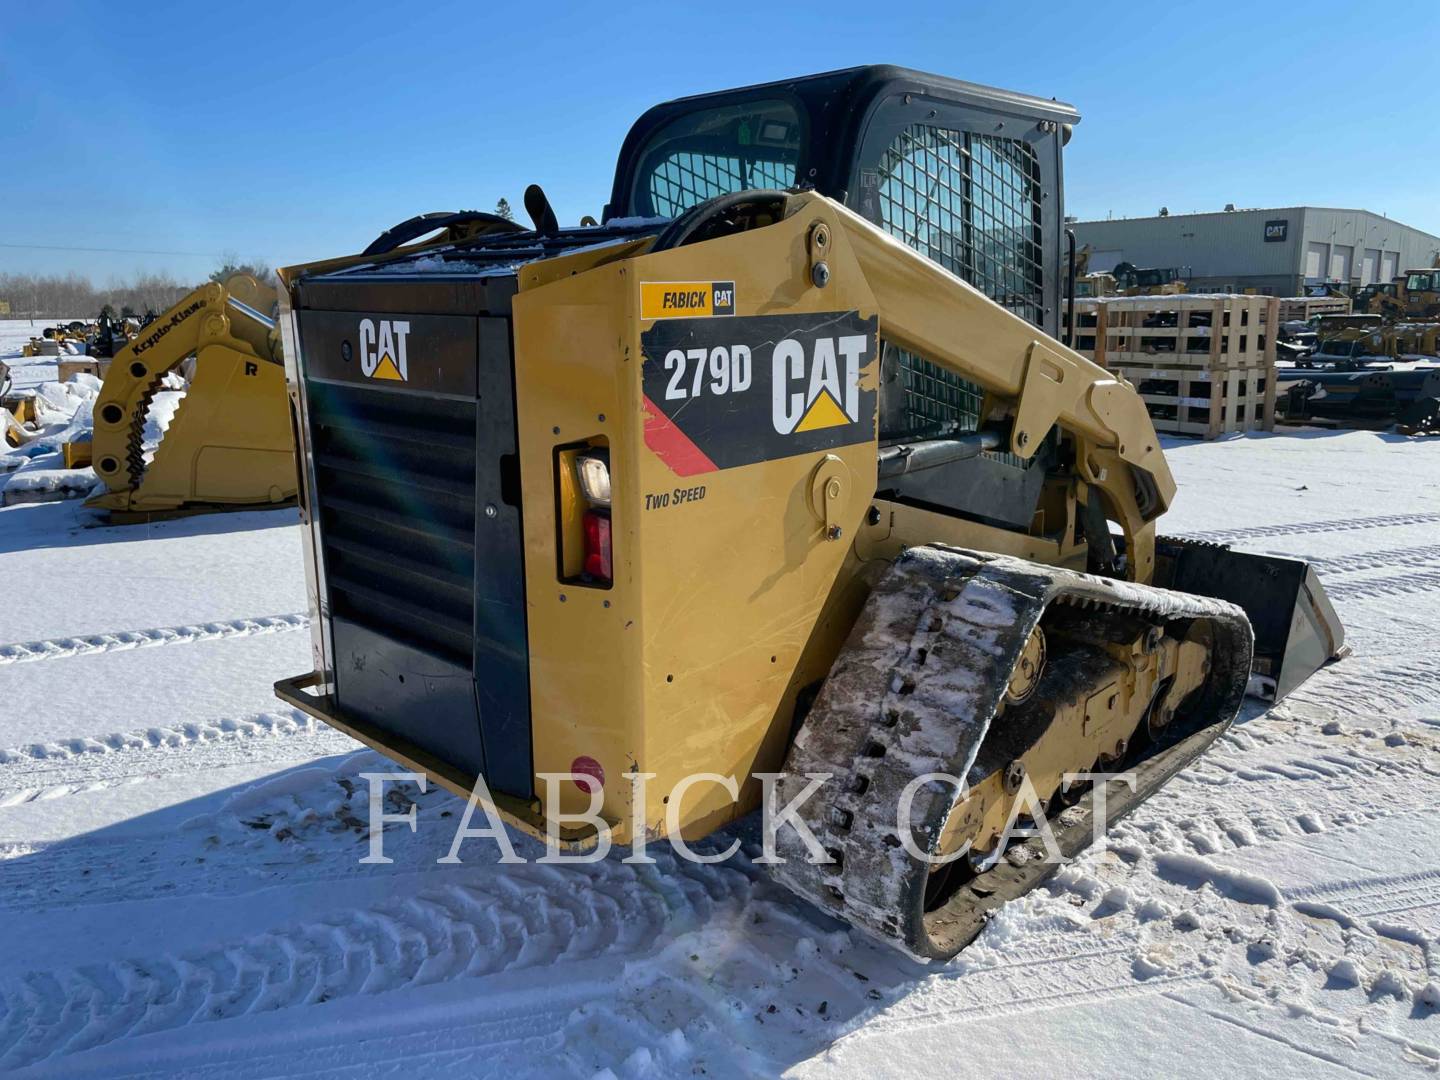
column 734, row 587
column 692, row 660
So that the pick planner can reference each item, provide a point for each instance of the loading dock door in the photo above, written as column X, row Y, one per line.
column 1340, row 263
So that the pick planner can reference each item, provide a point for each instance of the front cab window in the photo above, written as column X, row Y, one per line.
column 717, row 151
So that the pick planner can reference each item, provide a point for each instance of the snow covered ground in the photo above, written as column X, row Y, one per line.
column 180, row 891
column 35, row 470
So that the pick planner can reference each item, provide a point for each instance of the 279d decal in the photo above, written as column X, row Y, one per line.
column 720, row 393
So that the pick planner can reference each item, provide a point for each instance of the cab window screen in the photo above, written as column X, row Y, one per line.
column 971, row 203
column 717, row 151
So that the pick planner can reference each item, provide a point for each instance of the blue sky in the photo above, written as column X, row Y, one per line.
column 196, row 130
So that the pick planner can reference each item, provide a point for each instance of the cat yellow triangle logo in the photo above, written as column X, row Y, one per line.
column 386, row 369
column 825, row 412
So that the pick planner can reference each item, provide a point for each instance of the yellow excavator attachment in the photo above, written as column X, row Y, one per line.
column 230, row 444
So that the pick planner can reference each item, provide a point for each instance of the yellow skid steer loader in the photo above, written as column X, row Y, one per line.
column 779, row 469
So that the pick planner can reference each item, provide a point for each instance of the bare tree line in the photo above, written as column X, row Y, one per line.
column 74, row 296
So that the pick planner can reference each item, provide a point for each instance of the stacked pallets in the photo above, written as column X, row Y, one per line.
column 1205, row 365
column 1304, row 308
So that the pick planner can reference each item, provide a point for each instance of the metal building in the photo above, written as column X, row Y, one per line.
column 1276, row 252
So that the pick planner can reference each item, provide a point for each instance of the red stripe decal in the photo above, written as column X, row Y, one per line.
column 672, row 445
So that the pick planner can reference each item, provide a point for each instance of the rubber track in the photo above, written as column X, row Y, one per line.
column 913, row 692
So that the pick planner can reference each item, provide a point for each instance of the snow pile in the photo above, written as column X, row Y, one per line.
column 36, row 468
column 163, row 407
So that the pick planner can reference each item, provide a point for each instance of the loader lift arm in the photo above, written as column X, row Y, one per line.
column 1037, row 383
column 1032, row 382
column 230, row 443
column 1043, row 382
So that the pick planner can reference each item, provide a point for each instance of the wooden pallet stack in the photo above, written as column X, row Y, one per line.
column 1304, row 308
column 89, row 365
column 1204, row 364
column 1089, row 326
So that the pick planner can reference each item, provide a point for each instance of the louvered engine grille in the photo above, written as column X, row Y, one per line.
column 395, row 474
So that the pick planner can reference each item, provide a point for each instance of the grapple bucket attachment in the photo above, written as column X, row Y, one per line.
column 1296, row 629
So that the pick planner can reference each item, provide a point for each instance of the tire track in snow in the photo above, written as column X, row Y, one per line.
column 515, row 1037
column 1299, row 527
column 1417, row 581
column 530, row 918
column 527, row 916
column 1315, row 780
column 300, row 835
column 1121, row 966
column 1066, row 969
column 52, row 770
column 1202, row 813
column 1367, row 898
column 120, row 640
column 1375, row 691
column 1221, row 827
column 1424, row 555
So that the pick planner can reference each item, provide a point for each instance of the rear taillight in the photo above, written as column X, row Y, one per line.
column 593, row 471
column 598, row 564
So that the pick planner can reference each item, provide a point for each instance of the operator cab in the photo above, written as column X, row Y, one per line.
column 1418, row 281
column 968, row 175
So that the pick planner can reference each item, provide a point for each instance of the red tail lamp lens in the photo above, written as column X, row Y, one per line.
column 587, row 774
column 598, row 563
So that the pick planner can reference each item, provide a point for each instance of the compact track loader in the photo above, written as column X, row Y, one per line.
column 1421, row 294
column 230, row 444
column 779, row 469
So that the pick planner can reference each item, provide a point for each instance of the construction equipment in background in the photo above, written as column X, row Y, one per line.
column 1295, row 341
column 1363, row 396
column 889, row 526
column 1415, row 294
column 1366, row 371
column 62, row 339
column 1132, row 280
column 1420, row 294
column 229, row 445
column 1346, row 339
column 12, row 429
column 1340, row 337
column 111, row 335
column 1380, row 298
column 1090, row 286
